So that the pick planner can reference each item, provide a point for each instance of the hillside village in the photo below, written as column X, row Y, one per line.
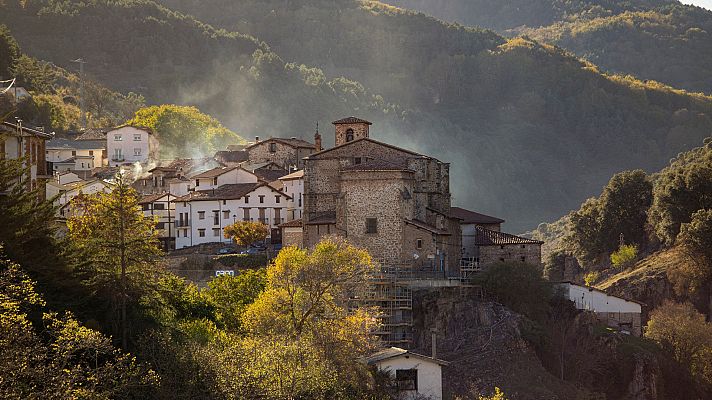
column 393, row 202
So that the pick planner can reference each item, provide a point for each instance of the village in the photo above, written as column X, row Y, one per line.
column 393, row 202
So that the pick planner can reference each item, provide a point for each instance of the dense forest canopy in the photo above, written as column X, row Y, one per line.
column 530, row 131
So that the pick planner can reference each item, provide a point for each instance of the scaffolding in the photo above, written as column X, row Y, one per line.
column 389, row 290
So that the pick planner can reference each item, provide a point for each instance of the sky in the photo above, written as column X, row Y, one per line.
column 702, row 3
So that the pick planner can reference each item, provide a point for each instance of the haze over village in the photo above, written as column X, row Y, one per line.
column 352, row 199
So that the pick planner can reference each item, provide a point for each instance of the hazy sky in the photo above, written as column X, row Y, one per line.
column 702, row 3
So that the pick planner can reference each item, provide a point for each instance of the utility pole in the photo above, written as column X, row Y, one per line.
column 82, row 94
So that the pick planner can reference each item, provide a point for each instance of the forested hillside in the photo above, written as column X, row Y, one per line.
column 530, row 131
column 658, row 39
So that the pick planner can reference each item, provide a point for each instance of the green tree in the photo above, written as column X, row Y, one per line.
column 233, row 294
column 245, row 233
column 57, row 358
column 121, row 249
column 497, row 395
column 184, row 131
column 681, row 189
column 683, row 332
column 9, row 51
column 304, row 333
column 519, row 286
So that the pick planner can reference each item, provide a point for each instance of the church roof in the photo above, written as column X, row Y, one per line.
column 351, row 120
column 377, row 165
column 359, row 140
column 292, row 142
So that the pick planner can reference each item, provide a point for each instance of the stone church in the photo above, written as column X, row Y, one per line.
column 392, row 201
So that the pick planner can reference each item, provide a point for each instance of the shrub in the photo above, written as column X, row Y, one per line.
column 624, row 256
column 591, row 277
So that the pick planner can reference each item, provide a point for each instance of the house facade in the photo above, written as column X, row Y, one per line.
column 129, row 144
column 285, row 152
column 161, row 207
column 202, row 214
column 68, row 192
column 293, row 185
column 616, row 312
column 17, row 141
column 416, row 376
column 80, row 156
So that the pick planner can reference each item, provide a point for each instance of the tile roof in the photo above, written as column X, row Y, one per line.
column 292, row 142
column 377, row 165
column 269, row 175
column 294, row 175
column 393, row 352
column 92, row 134
column 326, row 219
column 224, row 192
column 471, row 217
column 150, row 198
column 295, row 223
column 59, row 143
column 232, row 156
column 427, row 227
column 212, row 173
column 359, row 140
column 486, row 237
column 351, row 120
column 9, row 127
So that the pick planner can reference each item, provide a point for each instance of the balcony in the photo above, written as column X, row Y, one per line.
column 278, row 221
column 118, row 158
column 182, row 224
column 264, row 220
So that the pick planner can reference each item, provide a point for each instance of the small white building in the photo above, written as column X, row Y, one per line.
column 616, row 312
column 129, row 144
column 417, row 376
column 69, row 191
column 202, row 214
column 293, row 185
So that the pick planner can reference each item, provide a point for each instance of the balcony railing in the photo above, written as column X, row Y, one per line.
column 184, row 223
column 264, row 220
column 278, row 221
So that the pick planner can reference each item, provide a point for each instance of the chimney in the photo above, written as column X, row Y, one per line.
column 434, row 351
column 317, row 139
column 257, row 139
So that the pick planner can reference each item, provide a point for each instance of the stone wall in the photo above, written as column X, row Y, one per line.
column 284, row 156
column 292, row 237
column 529, row 253
column 360, row 131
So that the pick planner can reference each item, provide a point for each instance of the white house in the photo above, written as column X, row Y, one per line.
column 18, row 141
column 69, row 191
column 162, row 207
column 293, row 185
column 220, row 176
column 416, row 375
column 202, row 214
column 130, row 144
column 75, row 155
column 614, row 311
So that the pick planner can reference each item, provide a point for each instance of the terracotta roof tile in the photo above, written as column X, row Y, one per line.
column 231, row 156
column 295, row 223
column 486, row 237
column 224, row 192
column 212, row 173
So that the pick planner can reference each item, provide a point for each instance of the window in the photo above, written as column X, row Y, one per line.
column 201, row 214
column 277, row 198
column 215, row 180
column 273, row 147
column 226, row 214
column 216, row 217
column 146, row 207
column 118, row 155
column 501, row 247
column 246, row 214
column 262, row 198
column 118, row 138
column 300, row 200
column 224, row 202
column 91, row 152
column 201, row 232
column 161, row 225
column 197, row 182
column 524, row 246
column 349, row 135
column 501, row 259
column 216, row 232
column 419, row 244
column 357, row 160
column 137, row 137
column 371, row 225
column 82, row 165
column 523, row 259
column 137, row 151
column 159, row 206
column 407, row 379
column 74, row 153
column 247, row 199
